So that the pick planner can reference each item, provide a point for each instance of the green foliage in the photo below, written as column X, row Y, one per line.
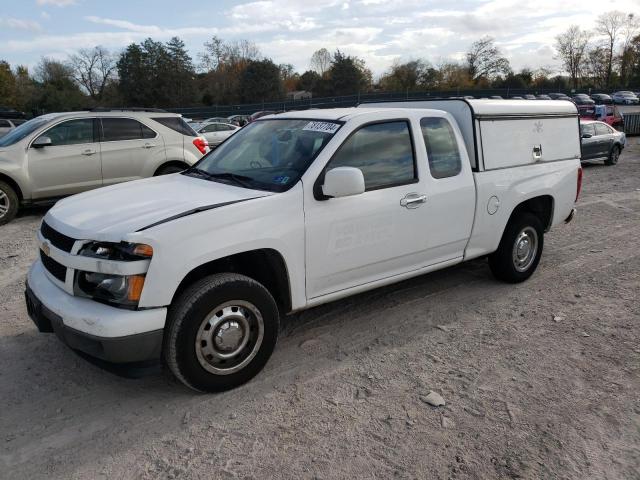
column 261, row 81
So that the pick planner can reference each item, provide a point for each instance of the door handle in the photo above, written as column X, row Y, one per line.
column 88, row 152
column 148, row 145
column 413, row 200
column 537, row 153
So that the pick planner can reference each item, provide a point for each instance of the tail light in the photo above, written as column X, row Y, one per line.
column 201, row 144
column 579, row 183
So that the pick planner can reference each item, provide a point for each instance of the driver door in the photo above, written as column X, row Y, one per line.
column 71, row 164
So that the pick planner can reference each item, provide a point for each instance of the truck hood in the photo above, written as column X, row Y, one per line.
column 109, row 213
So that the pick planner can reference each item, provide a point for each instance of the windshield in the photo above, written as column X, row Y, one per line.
column 22, row 131
column 267, row 154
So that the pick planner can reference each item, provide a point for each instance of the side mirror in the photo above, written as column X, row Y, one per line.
column 586, row 135
column 343, row 182
column 41, row 142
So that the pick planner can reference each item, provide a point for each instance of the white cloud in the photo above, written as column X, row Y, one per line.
column 19, row 24
column 57, row 3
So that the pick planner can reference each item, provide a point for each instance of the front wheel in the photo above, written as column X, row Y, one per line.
column 613, row 156
column 220, row 332
column 519, row 251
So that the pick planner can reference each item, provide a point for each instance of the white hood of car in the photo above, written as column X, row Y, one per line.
column 109, row 213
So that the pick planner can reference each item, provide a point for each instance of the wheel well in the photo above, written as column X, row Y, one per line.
column 265, row 266
column 12, row 184
column 171, row 163
column 541, row 207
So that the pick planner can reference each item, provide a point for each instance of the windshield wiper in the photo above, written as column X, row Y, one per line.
column 241, row 180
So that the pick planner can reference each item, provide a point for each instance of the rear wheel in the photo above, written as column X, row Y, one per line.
column 519, row 251
column 8, row 203
column 220, row 332
column 613, row 156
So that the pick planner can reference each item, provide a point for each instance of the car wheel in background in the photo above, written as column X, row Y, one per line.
column 220, row 332
column 169, row 169
column 519, row 251
column 8, row 203
column 614, row 155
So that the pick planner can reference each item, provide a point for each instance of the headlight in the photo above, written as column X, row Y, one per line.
column 122, row 251
column 120, row 290
column 116, row 289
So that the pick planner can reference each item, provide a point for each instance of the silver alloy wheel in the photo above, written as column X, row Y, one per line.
column 4, row 204
column 525, row 249
column 229, row 337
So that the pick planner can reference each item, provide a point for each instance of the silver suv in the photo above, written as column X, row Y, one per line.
column 62, row 154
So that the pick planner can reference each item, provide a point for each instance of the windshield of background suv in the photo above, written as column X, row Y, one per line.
column 267, row 154
column 14, row 136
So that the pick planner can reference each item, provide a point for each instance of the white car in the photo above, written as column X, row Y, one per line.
column 295, row 211
column 216, row 132
column 60, row 154
column 8, row 124
column 625, row 98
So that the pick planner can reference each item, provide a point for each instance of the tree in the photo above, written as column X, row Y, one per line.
column 345, row 75
column 610, row 25
column 261, row 82
column 57, row 90
column 571, row 46
column 484, row 60
column 321, row 61
column 7, row 86
column 308, row 81
column 629, row 31
column 93, row 68
column 597, row 65
column 412, row 75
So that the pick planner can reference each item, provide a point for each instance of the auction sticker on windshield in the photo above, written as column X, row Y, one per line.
column 325, row 127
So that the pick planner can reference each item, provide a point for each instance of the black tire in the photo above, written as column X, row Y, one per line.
column 503, row 261
column 169, row 169
column 187, row 318
column 8, row 203
column 613, row 156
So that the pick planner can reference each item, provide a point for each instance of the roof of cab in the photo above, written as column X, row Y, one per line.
column 343, row 114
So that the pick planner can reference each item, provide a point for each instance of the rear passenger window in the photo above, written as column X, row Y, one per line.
column 384, row 153
column 602, row 129
column 117, row 129
column 177, row 124
column 442, row 147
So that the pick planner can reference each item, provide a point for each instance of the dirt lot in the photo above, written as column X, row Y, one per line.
column 541, row 380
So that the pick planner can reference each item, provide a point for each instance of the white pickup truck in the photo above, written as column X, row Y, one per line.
column 293, row 211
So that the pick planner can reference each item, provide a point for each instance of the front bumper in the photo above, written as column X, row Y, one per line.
column 105, row 332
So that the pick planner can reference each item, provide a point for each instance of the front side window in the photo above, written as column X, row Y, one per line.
column 587, row 129
column 382, row 151
column 267, row 154
column 442, row 148
column 71, row 132
column 118, row 129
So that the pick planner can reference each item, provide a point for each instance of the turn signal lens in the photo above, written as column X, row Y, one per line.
column 136, row 283
column 143, row 250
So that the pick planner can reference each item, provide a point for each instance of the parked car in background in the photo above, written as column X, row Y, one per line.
column 543, row 97
column 517, row 97
column 559, row 96
column 601, row 142
column 582, row 99
column 529, row 96
column 217, row 132
column 260, row 114
column 295, row 211
column 625, row 98
column 496, row 97
column 215, row 120
column 61, row 154
column 239, row 120
column 8, row 124
column 610, row 114
column 601, row 98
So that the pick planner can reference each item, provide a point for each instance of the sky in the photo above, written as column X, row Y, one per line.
column 289, row 31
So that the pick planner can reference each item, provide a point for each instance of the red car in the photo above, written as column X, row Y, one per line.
column 608, row 114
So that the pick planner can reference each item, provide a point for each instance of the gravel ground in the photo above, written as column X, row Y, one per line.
column 540, row 379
